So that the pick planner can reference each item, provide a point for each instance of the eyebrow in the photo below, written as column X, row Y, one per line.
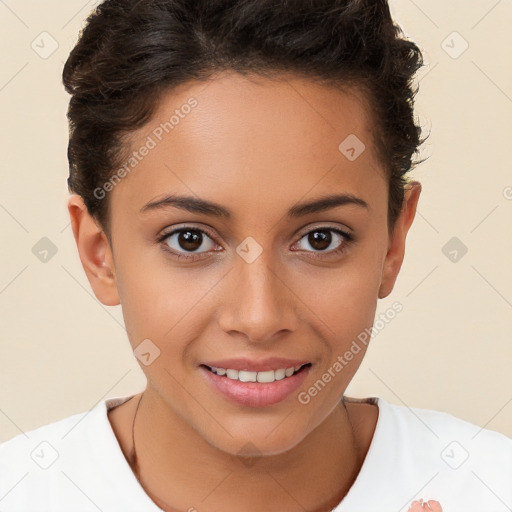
column 197, row 205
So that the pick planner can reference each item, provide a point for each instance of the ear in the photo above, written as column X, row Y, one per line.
column 94, row 251
column 396, row 248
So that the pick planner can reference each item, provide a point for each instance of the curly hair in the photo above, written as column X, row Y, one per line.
column 131, row 52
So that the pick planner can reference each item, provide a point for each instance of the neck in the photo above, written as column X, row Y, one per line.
column 174, row 463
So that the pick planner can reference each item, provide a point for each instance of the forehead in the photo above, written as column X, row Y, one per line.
column 264, row 139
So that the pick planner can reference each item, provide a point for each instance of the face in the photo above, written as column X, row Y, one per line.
column 256, row 281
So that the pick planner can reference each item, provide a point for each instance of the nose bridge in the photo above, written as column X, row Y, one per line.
column 260, row 304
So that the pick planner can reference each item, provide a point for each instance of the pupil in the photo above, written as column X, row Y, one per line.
column 190, row 240
column 321, row 238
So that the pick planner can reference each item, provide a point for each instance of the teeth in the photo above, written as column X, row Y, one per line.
column 246, row 376
column 268, row 376
column 280, row 374
column 232, row 374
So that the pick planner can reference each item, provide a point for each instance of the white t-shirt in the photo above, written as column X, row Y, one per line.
column 76, row 465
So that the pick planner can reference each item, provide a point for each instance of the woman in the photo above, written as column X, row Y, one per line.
column 238, row 170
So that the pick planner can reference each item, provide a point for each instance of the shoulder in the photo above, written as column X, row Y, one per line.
column 31, row 462
column 434, row 424
column 36, row 444
column 459, row 456
column 54, row 464
column 430, row 454
column 451, row 434
column 413, row 436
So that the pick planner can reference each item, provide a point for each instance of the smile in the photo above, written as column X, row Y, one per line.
column 255, row 388
column 264, row 376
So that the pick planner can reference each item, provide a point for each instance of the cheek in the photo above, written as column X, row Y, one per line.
column 343, row 300
column 151, row 303
column 170, row 307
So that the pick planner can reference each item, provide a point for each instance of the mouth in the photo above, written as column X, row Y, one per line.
column 255, row 388
column 265, row 377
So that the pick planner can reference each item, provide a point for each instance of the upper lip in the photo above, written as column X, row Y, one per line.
column 251, row 365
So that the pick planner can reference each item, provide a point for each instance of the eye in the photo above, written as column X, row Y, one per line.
column 187, row 240
column 322, row 241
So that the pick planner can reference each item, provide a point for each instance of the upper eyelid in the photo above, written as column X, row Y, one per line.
column 175, row 230
column 319, row 227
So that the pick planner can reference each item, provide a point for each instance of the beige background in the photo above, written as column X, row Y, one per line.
column 450, row 348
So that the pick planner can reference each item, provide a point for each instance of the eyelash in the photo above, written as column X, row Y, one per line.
column 349, row 239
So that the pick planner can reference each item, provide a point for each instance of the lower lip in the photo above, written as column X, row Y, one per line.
column 256, row 394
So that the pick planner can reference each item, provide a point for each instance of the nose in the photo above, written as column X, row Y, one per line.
column 259, row 302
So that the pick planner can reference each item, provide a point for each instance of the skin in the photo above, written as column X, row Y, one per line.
column 257, row 148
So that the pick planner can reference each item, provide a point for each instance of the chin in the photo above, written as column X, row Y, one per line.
column 271, row 438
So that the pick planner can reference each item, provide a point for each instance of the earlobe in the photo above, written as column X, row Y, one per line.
column 396, row 249
column 94, row 251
